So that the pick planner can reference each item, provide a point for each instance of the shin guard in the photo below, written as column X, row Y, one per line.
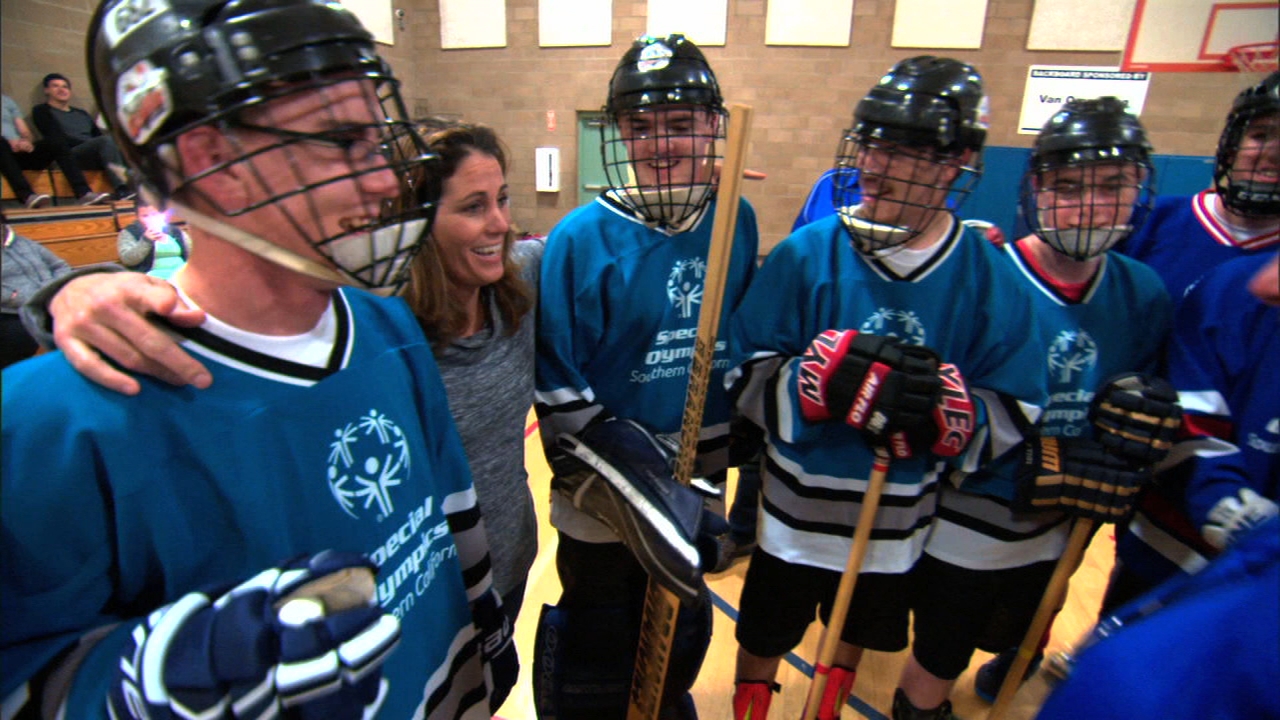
column 834, row 695
column 751, row 699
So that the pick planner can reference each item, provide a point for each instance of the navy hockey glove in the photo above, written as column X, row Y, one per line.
column 1137, row 417
column 497, row 646
column 897, row 393
column 306, row 640
column 1077, row 476
column 624, row 479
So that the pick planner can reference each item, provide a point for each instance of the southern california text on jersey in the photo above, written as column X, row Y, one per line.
column 618, row 317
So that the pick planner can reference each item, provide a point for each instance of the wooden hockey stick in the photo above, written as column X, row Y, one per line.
column 844, row 591
column 658, row 626
column 1081, row 530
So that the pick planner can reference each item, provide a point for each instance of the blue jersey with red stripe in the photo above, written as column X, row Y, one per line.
column 1222, row 363
column 1186, row 235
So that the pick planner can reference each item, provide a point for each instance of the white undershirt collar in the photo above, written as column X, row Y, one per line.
column 313, row 348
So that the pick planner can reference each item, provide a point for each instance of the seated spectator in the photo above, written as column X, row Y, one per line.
column 21, row 151
column 151, row 244
column 26, row 266
column 73, row 128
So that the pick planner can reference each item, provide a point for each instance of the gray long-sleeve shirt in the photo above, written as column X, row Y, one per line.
column 489, row 381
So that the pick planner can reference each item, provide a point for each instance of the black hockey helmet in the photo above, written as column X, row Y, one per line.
column 1087, row 131
column 1248, row 197
column 159, row 70
column 663, row 71
column 926, row 101
column 1082, row 133
column 656, row 78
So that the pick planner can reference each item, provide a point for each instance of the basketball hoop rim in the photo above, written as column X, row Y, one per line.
column 1253, row 57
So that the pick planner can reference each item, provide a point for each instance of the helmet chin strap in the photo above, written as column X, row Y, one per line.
column 262, row 248
column 1084, row 243
column 874, row 236
column 666, row 203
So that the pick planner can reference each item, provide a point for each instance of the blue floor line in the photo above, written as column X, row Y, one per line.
column 800, row 664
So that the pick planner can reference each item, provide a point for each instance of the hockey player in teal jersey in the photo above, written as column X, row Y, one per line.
column 622, row 283
column 301, row 539
column 886, row 324
column 1101, row 315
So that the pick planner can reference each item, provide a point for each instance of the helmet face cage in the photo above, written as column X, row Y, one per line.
column 373, row 248
column 660, row 162
column 354, row 149
column 899, row 189
column 916, row 144
column 1090, row 181
column 1248, row 158
column 665, row 132
column 1083, row 209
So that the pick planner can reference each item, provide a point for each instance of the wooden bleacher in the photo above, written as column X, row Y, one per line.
column 80, row 234
column 53, row 183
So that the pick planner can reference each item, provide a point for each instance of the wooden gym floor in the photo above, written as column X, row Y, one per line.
column 877, row 674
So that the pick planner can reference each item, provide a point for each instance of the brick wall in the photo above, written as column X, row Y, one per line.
column 37, row 38
column 803, row 97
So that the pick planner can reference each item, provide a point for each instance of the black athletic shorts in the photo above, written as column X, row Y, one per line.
column 958, row 610
column 779, row 599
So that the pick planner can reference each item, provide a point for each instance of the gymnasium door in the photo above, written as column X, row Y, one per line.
column 591, row 177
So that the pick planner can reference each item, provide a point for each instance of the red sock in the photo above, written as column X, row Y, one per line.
column 751, row 699
column 834, row 695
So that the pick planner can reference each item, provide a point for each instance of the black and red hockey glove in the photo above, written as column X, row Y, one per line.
column 895, row 392
column 1137, row 417
column 953, row 416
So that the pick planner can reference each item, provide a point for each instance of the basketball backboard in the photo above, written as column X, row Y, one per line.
column 1195, row 35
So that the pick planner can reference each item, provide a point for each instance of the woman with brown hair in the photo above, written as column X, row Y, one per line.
column 473, row 289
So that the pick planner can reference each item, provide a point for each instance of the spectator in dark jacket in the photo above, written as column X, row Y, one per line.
column 22, row 151
column 62, row 124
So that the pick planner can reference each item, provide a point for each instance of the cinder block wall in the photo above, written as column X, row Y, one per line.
column 37, row 38
column 803, row 97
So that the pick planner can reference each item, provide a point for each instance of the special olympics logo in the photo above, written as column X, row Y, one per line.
column 684, row 285
column 366, row 459
column 902, row 324
column 1073, row 351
